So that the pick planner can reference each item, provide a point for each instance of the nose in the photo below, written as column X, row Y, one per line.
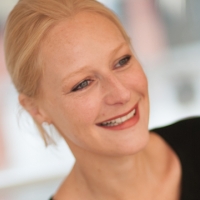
column 116, row 91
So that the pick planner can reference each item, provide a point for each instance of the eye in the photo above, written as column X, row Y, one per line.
column 82, row 85
column 123, row 62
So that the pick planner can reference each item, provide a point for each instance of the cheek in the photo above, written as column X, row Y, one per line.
column 136, row 80
column 141, row 82
column 80, row 110
column 76, row 118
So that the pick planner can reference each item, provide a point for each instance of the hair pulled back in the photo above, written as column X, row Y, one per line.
column 27, row 25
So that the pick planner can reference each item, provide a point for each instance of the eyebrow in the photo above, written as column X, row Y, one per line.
column 79, row 71
column 85, row 68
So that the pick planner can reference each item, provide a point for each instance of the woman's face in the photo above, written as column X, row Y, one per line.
column 94, row 89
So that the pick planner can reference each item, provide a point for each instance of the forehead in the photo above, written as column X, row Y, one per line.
column 86, row 32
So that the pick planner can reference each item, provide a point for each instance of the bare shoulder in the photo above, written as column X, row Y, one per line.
column 164, row 159
column 162, row 151
column 168, row 165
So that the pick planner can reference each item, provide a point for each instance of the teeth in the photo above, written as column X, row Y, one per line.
column 119, row 120
column 124, row 118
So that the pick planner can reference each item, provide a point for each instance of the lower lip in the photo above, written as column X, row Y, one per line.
column 127, row 124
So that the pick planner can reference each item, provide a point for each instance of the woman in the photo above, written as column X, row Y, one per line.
column 72, row 64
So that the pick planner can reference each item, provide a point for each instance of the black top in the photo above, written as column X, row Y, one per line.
column 184, row 138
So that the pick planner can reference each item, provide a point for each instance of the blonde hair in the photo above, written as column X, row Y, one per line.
column 26, row 26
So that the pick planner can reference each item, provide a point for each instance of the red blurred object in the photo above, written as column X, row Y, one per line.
column 146, row 29
column 3, row 77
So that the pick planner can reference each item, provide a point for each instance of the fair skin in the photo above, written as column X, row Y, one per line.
column 91, row 76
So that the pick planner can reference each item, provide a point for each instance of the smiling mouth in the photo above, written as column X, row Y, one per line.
column 119, row 120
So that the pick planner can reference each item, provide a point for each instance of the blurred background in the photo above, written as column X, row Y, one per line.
column 166, row 38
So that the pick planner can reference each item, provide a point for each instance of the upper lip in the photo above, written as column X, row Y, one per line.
column 118, row 116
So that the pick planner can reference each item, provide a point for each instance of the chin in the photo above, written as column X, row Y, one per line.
column 134, row 146
column 124, row 143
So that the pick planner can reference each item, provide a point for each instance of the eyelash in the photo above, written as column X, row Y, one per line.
column 124, row 61
column 82, row 85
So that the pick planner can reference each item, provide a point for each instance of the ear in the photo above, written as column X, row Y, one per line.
column 32, row 106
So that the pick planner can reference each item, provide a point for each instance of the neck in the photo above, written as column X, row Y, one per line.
column 114, row 177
